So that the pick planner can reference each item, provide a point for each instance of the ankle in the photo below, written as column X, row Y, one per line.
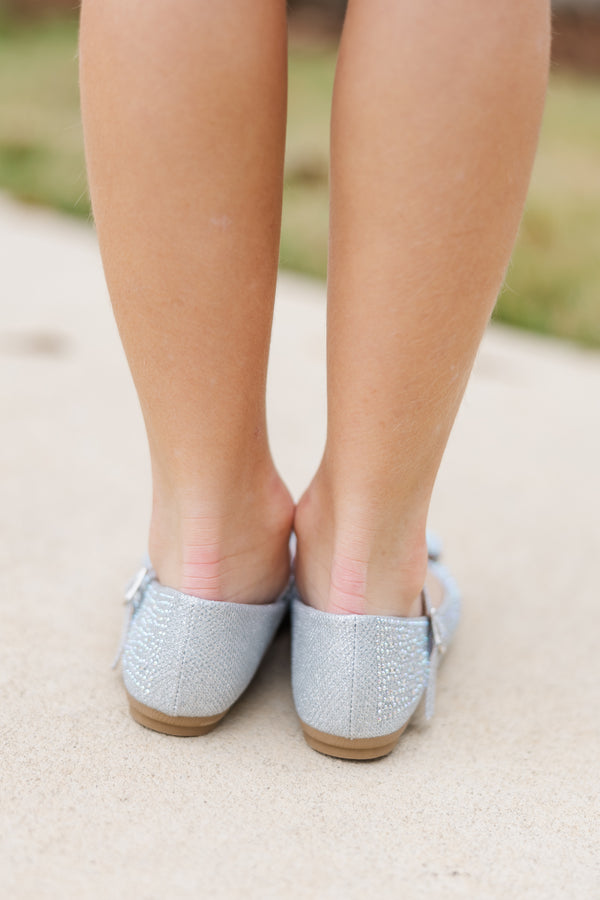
column 223, row 545
column 358, row 558
column 364, row 583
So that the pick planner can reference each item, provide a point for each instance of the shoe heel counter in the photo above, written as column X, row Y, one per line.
column 154, row 654
column 322, row 666
column 391, row 665
column 357, row 676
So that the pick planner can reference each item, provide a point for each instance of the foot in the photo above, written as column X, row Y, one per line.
column 354, row 558
column 228, row 545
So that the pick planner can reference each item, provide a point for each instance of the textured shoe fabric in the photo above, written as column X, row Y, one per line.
column 185, row 656
column 363, row 676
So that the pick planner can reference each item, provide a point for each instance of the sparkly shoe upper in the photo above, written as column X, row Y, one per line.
column 363, row 676
column 185, row 656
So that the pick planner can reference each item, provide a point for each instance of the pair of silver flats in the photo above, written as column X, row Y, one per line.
column 357, row 679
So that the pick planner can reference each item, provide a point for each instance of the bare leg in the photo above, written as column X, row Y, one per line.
column 184, row 120
column 435, row 122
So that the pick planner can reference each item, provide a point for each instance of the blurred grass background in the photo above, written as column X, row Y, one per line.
column 553, row 283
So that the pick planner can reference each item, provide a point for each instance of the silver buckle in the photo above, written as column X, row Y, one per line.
column 436, row 631
column 135, row 585
column 434, row 623
column 133, row 595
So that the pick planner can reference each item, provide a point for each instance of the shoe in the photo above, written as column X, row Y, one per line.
column 358, row 679
column 185, row 660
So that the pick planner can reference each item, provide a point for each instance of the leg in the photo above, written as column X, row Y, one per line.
column 184, row 121
column 435, row 122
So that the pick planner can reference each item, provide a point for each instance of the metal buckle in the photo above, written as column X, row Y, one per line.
column 132, row 598
column 434, row 623
column 135, row 585
column 436, row 631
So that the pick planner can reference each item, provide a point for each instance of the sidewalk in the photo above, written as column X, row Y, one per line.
column 497, row 797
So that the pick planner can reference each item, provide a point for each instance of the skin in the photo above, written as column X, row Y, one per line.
column 183, row 110
column 435, row 120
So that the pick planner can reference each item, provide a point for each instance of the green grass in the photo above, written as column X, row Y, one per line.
column 553, row 283
column 41, row 149
column 305, row 199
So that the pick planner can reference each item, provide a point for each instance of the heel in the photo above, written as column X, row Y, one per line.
column 181, row 726
column 350, row 748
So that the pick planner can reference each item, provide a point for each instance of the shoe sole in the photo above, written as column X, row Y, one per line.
column 350, row 748
column 180, row 726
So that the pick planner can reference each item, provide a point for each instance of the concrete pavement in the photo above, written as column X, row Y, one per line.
column 497, row 797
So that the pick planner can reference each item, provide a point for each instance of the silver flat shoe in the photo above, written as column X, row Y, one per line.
column 358, row 679
column 185, row 660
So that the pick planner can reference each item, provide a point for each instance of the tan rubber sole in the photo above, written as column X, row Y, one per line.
column 350, row 748
column 181, row 726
